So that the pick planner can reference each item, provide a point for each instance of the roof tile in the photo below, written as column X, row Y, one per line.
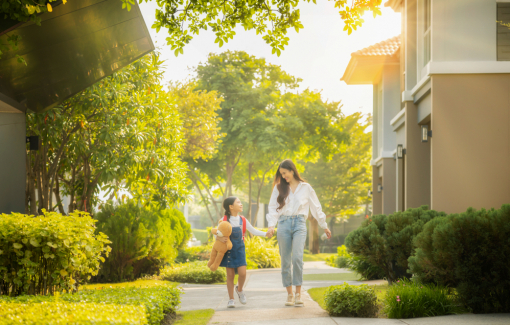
column 388, row 47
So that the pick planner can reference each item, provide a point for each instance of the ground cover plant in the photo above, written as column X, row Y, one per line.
column 201, row 234
column 408, row 299
column 468, row 251
column 262, row 252
column 194, row 317
column 348, row 276
column 140, row 283
column 48, row 253
column 195, row 253
column 193, row 272
column 318, row 294
column 54, row 312
column 157, row 301
column 351, row 301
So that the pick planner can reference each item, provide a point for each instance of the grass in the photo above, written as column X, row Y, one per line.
column 200, row 234
column 194, row 317
column 316, row 257
column 318, row 294
column 332, row 277
column 137, row 283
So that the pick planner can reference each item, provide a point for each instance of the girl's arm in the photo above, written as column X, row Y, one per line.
column 253, row 231
column 316, row 209
column 272, row 214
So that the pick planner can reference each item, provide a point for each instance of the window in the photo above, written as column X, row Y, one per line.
column 503, row 30
column 426, row 31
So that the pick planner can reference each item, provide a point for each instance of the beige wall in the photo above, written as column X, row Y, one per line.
column 471, row 141
column 389, row 183
column 417, row 162
column 376, row 197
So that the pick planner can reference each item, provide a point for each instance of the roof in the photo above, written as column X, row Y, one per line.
column 366, row 65
column 387, row 47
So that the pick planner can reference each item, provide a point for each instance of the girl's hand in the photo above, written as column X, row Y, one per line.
column 328, row 232
column 222, row 239
column 270, row 232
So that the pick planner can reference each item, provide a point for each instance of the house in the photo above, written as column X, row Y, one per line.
column 77, row 44
column 441, row 132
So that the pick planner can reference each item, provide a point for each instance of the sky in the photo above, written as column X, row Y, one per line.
column 318, row 54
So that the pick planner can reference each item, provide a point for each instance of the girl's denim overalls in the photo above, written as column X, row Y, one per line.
column 235, row 257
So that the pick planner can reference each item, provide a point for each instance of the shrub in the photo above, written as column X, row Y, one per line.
column 351, row 301
column 341, row 260
column 386, row 241
column 194, row 272
column 142, row 240
column 263, row 252
column 363, row 267
column 407, row 299
column 157, row 301
column 196, row 253
column 70, row 313
column 44, row 254
column 468, row 251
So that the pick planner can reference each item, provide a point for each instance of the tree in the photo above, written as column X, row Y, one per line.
column 184, row 18
column 342, row 182
column 122, row 132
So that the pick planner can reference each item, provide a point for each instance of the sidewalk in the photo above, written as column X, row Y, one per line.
column 266, row 298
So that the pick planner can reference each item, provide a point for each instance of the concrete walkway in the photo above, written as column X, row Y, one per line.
column 266, row 298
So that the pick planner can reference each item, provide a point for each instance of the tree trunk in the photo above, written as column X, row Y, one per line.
column 208, row 193
column 314, row 236
column 250, row 217
column 203, row 200
column 57, row 195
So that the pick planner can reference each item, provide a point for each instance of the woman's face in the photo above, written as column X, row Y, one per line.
column 288, row 175
column 236, row 207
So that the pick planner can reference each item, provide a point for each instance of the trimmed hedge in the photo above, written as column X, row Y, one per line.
column 469, row 251
column 157, row 301
column 351, row 301
column 194, row 272
column 48, row 253
column 386, row 241
column 70, row 313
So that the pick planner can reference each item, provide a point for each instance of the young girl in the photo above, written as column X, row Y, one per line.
column 236, row 257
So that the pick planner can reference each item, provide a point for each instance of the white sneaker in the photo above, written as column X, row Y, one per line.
column 231, row 303
column 290, row 300
column 298, row 301
column 242, row 296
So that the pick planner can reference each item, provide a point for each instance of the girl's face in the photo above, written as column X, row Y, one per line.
column 287, row 174
column 236, row 207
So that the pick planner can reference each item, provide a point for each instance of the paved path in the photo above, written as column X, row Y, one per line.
column 266, row 298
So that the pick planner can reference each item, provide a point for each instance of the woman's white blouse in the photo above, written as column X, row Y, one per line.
column 304, row 199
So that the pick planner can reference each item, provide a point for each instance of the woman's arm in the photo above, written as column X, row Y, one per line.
column 272, row 214
column 316, row 209
column 253, row 231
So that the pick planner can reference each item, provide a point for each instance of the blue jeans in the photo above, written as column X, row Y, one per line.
column 291, row 235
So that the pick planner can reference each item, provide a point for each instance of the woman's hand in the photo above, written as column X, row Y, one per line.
column 222, row 239
column 328, row 233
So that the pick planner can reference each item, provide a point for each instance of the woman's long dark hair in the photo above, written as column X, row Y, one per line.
column 226, row 205
column 282, row 185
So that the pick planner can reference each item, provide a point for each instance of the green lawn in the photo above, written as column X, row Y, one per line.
column 137, row 283
column 332, row 277
column 318, row 294
column 200, row 234
column 194, row 317
column 316, row 257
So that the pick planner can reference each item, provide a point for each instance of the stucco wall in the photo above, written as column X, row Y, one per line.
column 376, row 196
column 470, row 148
column 12, row 162
column 389, row 183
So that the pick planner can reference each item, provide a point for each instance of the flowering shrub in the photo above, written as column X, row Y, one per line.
column 194, row 272
column 351, row 301
column 47, row 253
column 407, row 299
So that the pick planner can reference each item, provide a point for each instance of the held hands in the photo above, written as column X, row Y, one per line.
column 270, row 232
column 222, row 239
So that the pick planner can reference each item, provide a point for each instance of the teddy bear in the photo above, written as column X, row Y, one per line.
column 219, row 249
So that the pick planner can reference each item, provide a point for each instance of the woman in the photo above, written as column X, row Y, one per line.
column 290, row 202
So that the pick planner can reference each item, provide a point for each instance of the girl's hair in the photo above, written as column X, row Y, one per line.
column 282, row 185
column 226, row 205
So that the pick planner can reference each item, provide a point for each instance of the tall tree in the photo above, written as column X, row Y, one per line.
column 342, row 182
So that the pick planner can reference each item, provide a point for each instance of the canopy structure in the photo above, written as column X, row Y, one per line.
column 366, row 65
column 76, row 45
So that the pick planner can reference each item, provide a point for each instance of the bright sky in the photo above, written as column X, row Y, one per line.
column 318, row 54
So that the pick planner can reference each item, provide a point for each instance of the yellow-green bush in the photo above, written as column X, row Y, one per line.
column 156, row 301
column 70, row 313
column 194, row 272
column 263, row 252
column 44, row 254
